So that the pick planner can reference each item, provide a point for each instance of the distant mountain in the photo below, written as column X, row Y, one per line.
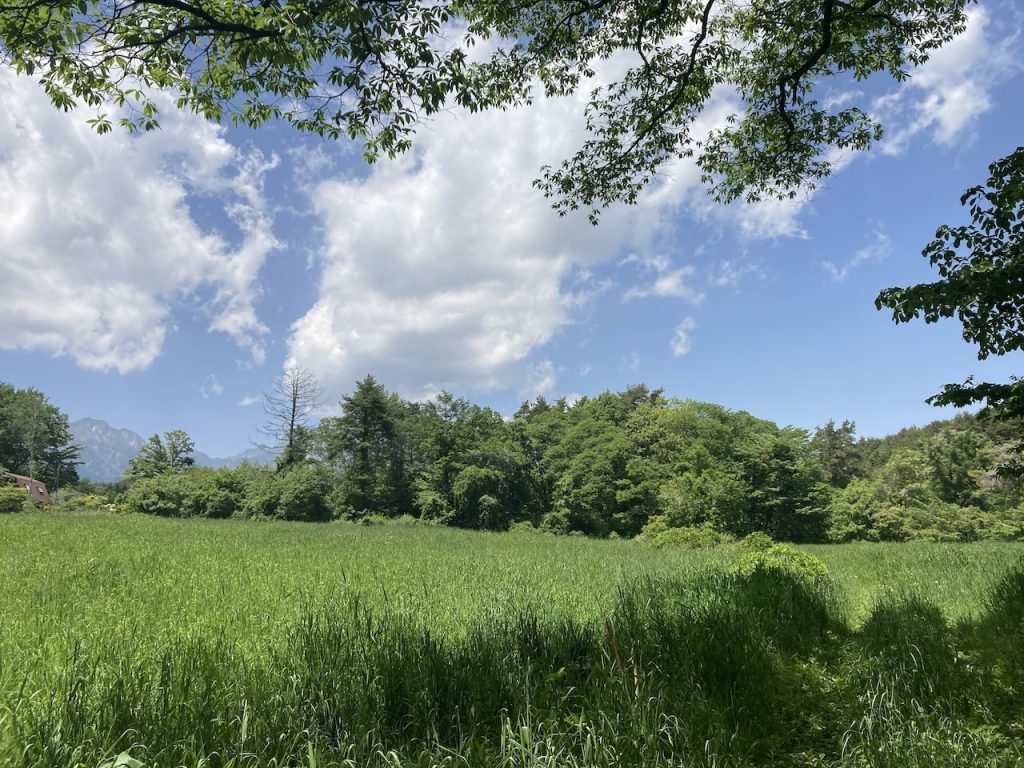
column 253, row 456
column 107, row 450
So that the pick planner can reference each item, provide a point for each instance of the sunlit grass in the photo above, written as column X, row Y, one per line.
column 226, row 643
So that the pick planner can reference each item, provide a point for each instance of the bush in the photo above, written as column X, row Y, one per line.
column 853, row 511
column 557, row 523
column 405, row 521
column 86, row 503
column 298, row 493
column 162, row 495
column 782, row 558
column 12, row 499
column 941, row 521
column 703, row 536
column 655, row 526
column 757, row 542
column 523, row 526
column 193, row 493
column 432, row 506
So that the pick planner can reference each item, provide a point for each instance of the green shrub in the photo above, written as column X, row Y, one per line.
column 432, row 506
column 298, row 493
column 783, row 558
column 703, row 536
column 163, row 495
column 303, row 494
column 656, row 525
column 401, row 520
column 557, row 523
column 193, row 493
column 86, row 503
column 757, row 542
column 523, row 526
column 12, row 499
column 852, row 512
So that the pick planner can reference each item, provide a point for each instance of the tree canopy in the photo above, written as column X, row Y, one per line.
column 159, row 456
column 35, row 438
column 374, row 70
column 981, row 283
column 630, row 464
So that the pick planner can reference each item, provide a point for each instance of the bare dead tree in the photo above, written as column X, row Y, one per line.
column 294, row 398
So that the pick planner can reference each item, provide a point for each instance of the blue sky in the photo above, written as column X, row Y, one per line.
column 163, row 281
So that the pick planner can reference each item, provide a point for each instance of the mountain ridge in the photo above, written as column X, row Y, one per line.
column 106, row 451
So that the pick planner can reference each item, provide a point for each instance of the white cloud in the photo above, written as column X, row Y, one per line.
column 98, row 238
column 767, row 219
column 585, row 369
column 877, row 250
column 584, row 288
column 681, row 340
column 211, row 387
column 949, row 92
column 666, row 283
column 764, row 220
column 446, row 268
column 249, row 400
column 838, row 100
column 729, row 274
column 542, row 378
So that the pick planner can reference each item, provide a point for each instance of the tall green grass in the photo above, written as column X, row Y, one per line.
column 198, row 643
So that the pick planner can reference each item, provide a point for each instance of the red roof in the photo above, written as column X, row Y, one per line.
column 36, row 489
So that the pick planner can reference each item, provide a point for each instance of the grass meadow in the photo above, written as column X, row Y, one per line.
column 129, row 641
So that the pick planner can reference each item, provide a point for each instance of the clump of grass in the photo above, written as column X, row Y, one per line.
column 919, row 701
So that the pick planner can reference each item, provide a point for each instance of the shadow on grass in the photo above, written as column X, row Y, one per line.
column 723, row 669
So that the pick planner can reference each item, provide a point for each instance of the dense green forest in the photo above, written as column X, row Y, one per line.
column 627, row 464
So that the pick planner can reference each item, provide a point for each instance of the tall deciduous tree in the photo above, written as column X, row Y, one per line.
column 289, row 407
column 158, row 457
column 374, row 70
column 35, row 438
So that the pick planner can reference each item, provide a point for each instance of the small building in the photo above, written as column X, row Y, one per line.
column 36, row 489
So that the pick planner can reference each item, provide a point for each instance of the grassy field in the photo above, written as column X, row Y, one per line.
column 207, row 643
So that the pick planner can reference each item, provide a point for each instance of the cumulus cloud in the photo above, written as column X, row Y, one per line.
column 764, row 220
column 681, row 341
column 665, row 282
column 949, row 92
column 98, row 240
column 877, row 250
column 446, row 269
column 249, row 400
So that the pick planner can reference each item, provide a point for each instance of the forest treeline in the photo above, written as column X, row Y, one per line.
column 627, row 464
